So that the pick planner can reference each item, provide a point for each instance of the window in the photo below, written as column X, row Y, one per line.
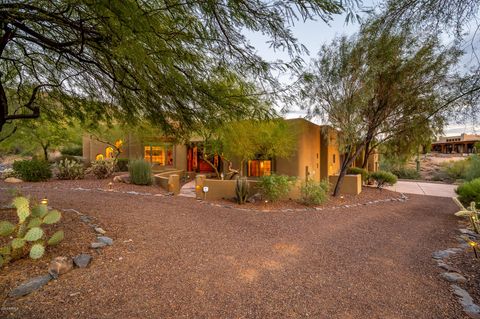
column 159, row 154
column 334, row 158
column 257, row 168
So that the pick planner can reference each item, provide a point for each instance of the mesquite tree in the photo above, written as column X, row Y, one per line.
column 176, row 63
column 379, row 85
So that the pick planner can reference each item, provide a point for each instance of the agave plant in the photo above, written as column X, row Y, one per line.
column 27, row 236
column 472, row 213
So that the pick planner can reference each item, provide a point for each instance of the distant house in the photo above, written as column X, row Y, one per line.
column 316, row 154
column 464, row 143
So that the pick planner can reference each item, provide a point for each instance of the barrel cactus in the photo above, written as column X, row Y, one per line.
column 28, row 237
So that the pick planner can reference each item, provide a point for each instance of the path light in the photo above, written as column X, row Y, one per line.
column 110, row 186
column 473, row 244
column 44, row 201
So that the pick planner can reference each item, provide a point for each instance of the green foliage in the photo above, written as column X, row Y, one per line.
column 101, row 169
column 314, row 193
column 274, row 187
column 28, row 236
column 241, row 190
column 469, row 192
column 171, row 62
column 72, row 150
column 358, row 170
column 32, row 170
column 383, row 178
column 122, row 165
column 405, row 173
column 455, row 169
column 68, row 169
column 140, row 172
column 248, row 139
column 473, row 169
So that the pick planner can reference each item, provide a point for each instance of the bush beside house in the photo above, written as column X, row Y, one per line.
column 383, row 178
column 32, row 170
column 274, row 187
column 314, row 193
column 469, row 192
column 140, row 172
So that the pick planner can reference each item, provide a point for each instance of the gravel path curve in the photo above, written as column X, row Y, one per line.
column 176, row 258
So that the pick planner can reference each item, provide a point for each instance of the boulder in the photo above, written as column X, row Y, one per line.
column 13, row 180
column 60, row 266
column 453, row 277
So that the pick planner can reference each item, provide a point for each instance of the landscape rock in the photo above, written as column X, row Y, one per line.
column 60, row 266
column 30, row 286
column 441, row 254
column 106, row 240
column 100, row 230
column 469, row 307
column 97, row 245
column 453, row 277
column 13, row 180
column 469, row 233
column 254, row 198
column 446, row 266
column 82, row 260
column 85, row 219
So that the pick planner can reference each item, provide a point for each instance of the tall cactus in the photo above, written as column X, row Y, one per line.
column 241, row 190
column 28, row 236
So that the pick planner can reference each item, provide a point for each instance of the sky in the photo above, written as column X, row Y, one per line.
column 313, row 34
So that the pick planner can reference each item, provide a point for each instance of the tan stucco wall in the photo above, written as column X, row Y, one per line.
column 306, row 157
column 352, row 184
column 329, row 152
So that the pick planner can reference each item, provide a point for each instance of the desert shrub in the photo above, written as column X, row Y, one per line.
column 314, row 193
column 358, row 170
column 27, row 235
column 274, row 187
column 455, row 169
column 122, row 165
column 469, row 192
column 383, row 178
column 473, row 169
column 102, row 168
column 68, row 169
column 405, row 173
column 32, row 170
column 73, row 150
column 140, row 172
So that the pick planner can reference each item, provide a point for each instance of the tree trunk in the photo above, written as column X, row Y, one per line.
column 345, row 165
column 366, row 155
column 45, row 151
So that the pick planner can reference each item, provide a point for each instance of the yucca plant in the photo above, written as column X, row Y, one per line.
column 27, row 235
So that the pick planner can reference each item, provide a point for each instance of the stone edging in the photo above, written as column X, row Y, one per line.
column 403, row 198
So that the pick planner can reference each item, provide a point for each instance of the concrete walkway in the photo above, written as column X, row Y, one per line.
column 424, row 188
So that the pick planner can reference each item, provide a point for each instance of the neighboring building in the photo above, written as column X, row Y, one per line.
column 464, row 143
column 316, row 154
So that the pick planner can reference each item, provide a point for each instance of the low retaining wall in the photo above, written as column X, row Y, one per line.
column 169, row 180
column 225, row 189
column 352, row 184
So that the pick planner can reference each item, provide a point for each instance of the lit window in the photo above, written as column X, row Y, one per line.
column 257, row 168
column 159, row 154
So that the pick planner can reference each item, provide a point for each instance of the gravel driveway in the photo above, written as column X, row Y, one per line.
column 176, row 258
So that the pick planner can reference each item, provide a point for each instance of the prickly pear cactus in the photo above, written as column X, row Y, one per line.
column 28, row 235
column 241, row 190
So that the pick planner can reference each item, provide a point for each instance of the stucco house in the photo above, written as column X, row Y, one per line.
column 316, row 154
column 460, row 144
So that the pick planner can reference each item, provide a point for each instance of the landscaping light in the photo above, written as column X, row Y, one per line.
column 198, row 187
column 110, row 186
column 472, row 243
column 44, row 201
